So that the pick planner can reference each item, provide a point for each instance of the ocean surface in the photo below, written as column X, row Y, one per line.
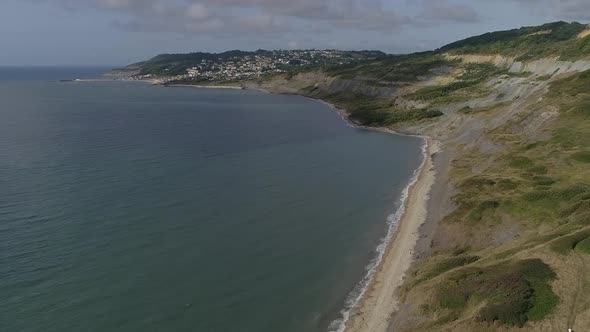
column 131, row 207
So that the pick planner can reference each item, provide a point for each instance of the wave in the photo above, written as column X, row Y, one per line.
column 354, row 297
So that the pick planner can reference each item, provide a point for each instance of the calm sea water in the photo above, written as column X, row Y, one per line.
column 129, row 207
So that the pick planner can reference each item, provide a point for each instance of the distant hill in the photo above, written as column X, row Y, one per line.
column 177, row 64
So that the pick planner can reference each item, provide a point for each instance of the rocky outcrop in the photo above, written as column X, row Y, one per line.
column 584, row 33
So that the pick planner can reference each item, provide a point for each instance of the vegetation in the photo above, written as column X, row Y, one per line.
column 527, row 43
column 443, row 266
column 374, row 111
column 530, row 199
column 404, row 68
column 566, row 244
column 526, row 194
column 471, row 110
column 466, row 87
column 513, row 293
column 526, row 197
column 581, row 156
column 584, row 246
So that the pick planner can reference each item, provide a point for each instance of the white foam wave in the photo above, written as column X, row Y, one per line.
column 354, row 298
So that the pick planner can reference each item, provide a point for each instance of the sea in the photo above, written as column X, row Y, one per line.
column 131, row 207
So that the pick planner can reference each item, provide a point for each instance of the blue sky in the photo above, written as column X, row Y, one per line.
column 117, row 32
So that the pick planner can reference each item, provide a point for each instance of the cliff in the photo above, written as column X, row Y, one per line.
column 506, row 244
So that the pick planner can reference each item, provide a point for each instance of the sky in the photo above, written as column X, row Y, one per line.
column 119, row 32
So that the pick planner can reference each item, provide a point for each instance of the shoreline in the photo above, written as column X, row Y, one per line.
column 372, row 308
column 377, row 302
column 230, row 87
column 380, row 302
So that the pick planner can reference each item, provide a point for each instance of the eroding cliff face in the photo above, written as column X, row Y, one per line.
column 541, row 67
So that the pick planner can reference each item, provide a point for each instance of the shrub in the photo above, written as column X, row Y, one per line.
column 507, row 184
column 477, row 213
column 520, row 162
column 513, row 293
column 582, row 156
column 543, row 180
column 584, row 246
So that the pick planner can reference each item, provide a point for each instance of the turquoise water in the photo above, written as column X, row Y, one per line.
column 129, row 207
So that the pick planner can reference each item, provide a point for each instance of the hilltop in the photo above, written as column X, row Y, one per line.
column 506, row 244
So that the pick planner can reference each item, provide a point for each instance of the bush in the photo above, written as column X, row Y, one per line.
column 582, row 156
column 543, row 180
column 584, row 246
column 477, row 213
column 521, row 162
column 375, row 111
column 513, row 293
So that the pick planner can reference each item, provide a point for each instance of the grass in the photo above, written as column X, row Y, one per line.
column 566, row 244
column 582, row 156
column 528, row 43
column 521, row 162
column 511, row 293
column 439, row 91
column 400, row 68
column 533, row 196
column 374, row 111
column 584, row 246
column 467, row 86
column 480, row 210
column 445, row 265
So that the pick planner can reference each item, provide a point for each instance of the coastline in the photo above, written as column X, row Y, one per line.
column 374, row 311
column 230, row 87
column 371, row 308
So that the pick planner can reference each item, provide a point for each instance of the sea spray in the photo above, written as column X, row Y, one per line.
column 356, row 295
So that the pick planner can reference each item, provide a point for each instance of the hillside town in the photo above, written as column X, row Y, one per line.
column 251, row 65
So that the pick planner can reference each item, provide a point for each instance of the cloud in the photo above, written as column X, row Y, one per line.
column 197, row 11
column 442, row 10
column 268, row 16
column 559, row 9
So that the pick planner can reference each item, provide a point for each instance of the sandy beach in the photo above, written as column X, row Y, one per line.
column 374, row 311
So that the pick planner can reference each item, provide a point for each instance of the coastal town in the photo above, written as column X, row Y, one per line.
column 232, row 66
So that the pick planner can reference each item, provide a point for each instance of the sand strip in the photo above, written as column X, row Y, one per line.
column 373, row 313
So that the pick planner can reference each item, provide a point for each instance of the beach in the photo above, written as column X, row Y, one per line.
column 371, row 309
column 374, row 310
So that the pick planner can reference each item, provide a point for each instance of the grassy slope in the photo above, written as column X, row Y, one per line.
column 528, row 42
column 542, row 188
column 519, row 246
